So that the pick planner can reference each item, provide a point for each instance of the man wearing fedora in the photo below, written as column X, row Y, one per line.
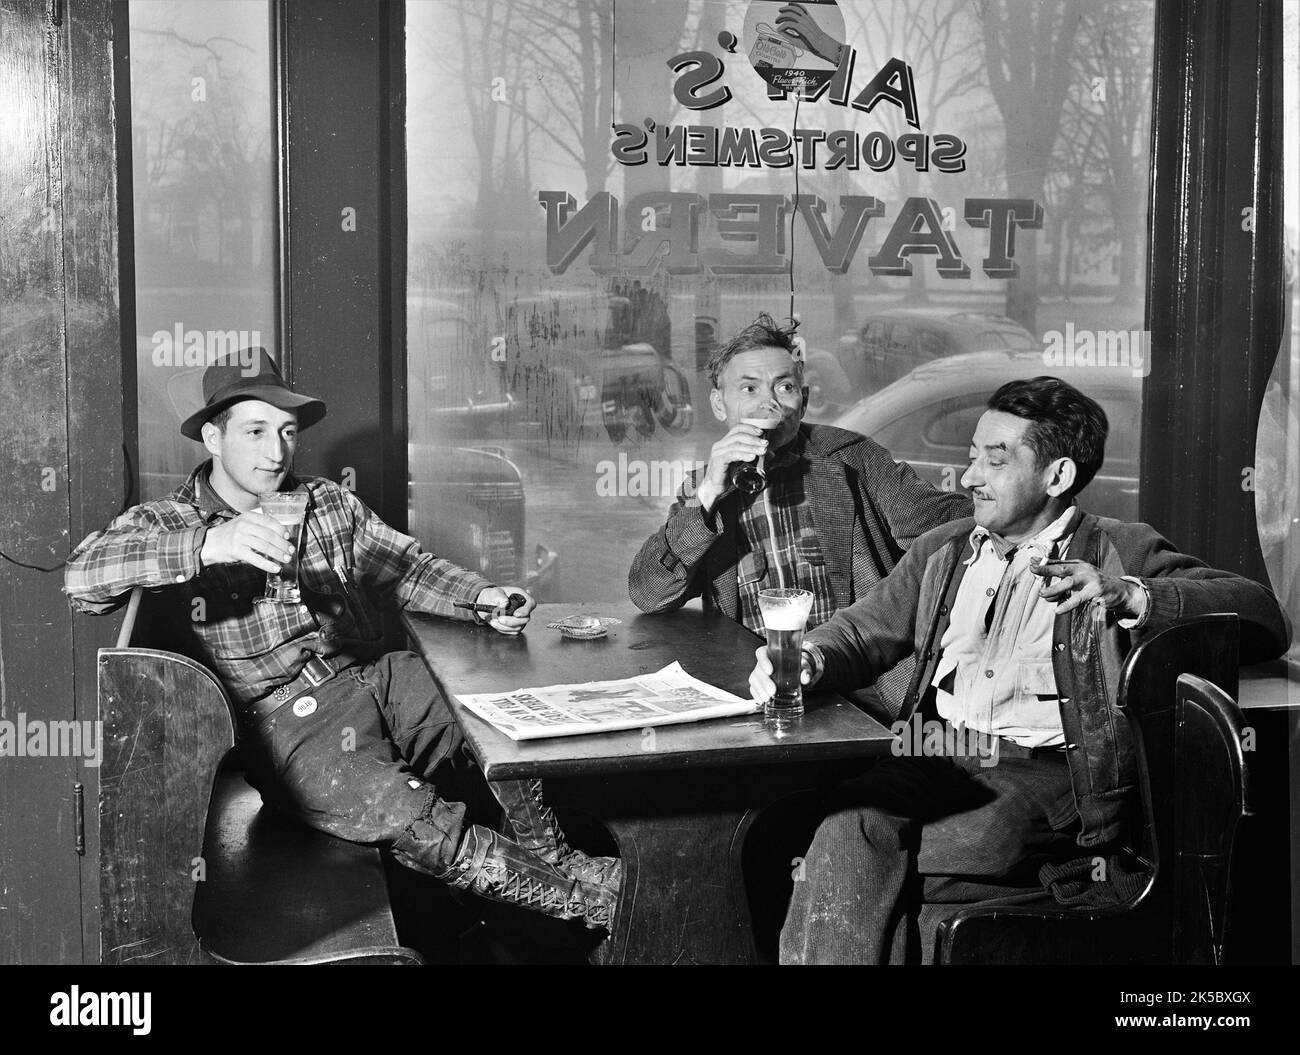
column 347, row 739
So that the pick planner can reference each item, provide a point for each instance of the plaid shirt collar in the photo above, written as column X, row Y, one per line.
column 197, row 490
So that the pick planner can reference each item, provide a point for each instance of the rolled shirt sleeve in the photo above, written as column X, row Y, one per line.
column 134, row 550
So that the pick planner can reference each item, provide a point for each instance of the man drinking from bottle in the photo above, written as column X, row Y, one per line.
column 784, row 505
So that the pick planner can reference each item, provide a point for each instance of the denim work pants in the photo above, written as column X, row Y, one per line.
column 915, row 838
column 380, row 750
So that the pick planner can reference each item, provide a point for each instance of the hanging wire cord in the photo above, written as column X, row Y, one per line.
column 794, row 155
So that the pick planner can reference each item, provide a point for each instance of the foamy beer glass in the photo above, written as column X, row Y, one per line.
column 290, row 509
column 785, row 614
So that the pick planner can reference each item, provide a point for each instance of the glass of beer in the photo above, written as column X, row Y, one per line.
column 290, row 509
column 785, row 614
column 751, row 477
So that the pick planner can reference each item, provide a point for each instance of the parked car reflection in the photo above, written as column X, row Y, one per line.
column 465, row 500
column 462, row 382
column 561, row 362
column 928, row 418
column 890, row 343
column 467, row 504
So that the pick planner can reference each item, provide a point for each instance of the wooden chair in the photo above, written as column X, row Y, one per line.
column 192, row 868
column 1175, row 690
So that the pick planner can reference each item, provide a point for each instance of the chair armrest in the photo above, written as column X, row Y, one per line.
column 127, row 631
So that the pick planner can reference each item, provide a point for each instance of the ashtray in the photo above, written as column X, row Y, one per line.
column 583, row 627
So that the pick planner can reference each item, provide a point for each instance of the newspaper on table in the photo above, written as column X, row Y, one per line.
column 665, row 697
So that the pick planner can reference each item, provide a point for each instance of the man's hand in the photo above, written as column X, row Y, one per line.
column 761, row 686
column 500, row 597
column 1071, row 583
column 251, row 538
column 794, row 21
column 744, row 443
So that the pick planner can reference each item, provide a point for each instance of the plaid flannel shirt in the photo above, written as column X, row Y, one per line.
column 793, row 556
column 351, row 564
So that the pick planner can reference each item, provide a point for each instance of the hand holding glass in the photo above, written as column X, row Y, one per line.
column 290, row 509
column 751, row 477
column 785, row 614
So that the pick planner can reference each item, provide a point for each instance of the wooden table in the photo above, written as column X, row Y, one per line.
column 678, row 799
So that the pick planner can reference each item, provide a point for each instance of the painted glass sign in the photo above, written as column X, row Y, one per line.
column 944, row 194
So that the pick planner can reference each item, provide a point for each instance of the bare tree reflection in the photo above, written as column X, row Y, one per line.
column 1028, row 52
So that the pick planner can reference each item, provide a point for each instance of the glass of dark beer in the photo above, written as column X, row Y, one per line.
column 751, row 477
column 785, row 614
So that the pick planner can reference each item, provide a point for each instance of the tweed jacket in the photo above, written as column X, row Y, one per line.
column 866, row 507
column 908, row 613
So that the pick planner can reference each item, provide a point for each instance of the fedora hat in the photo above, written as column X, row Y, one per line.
column 250, row 373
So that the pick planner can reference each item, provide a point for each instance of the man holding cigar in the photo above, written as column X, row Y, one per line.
column 825, row 510
column 346, row 739
column 1020, row 619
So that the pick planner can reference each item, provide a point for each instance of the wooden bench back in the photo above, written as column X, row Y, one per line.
column 167, row 724
column 258, row 888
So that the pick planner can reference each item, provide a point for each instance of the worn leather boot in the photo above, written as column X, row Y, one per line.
column 535, row 825
column 492, row 866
